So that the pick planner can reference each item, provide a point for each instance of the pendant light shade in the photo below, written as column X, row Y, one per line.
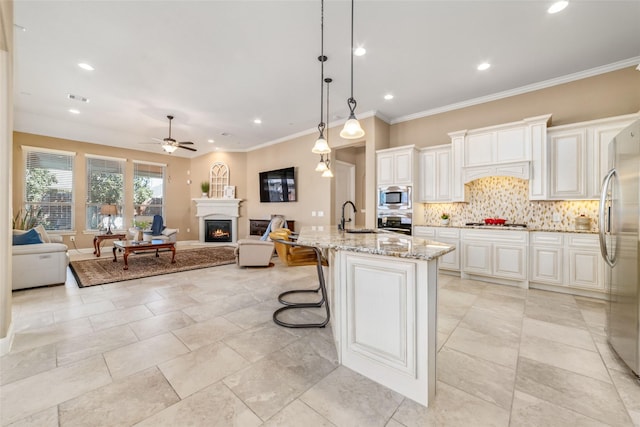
column 352, row 128
column 321, row 146
column 327, row 174
column 322, row 165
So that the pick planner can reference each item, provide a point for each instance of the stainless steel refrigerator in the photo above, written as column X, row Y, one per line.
column 619, row 224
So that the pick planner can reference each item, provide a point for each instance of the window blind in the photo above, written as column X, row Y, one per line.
column 105, row 186
column 49, row 188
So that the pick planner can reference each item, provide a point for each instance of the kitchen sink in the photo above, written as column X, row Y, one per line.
column 361, row 230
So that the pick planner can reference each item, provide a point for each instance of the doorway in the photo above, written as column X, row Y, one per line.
column 345, row 176
column 349, row 169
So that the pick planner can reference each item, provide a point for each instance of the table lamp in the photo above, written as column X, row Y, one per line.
column 109, row 210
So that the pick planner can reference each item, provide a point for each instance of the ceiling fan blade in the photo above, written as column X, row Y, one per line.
column 186, row 142
column 157, row 139
column 187, row 148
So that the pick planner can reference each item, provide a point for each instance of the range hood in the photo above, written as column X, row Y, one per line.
column 515, row 169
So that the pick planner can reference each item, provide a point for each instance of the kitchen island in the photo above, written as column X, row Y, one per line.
column 383, row 296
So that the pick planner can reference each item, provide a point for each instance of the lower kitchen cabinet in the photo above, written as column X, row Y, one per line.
column 569, row 262
column 547, row 255
column 500, row 254
column 586, row 268
column 450, row 236
column 556, row 261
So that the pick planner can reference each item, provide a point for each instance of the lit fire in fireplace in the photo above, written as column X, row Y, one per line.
column 220, row 234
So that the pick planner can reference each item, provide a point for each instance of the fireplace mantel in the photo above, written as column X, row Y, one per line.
column 217, row 209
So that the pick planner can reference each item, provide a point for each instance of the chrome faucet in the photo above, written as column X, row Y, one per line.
column 342, row 220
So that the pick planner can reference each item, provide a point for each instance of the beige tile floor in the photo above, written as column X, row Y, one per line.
column 199, row 348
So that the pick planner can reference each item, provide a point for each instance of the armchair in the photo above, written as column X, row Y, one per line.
column 253, row 253
column 157, row 232
column 258, row 253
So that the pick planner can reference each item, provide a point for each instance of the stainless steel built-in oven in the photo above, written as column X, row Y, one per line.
column 397, row 197
column 397, row 221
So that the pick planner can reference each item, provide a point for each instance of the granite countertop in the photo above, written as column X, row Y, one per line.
column 379, row 243
column 499, row 227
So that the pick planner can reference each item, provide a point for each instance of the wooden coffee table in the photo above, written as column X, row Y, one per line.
column 128, row 246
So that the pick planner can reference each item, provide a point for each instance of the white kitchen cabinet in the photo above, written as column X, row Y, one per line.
column 448, row 235
column 578, row 156
column 586, row 267
column 435, row 174
column 477, row 257
column 458, row 187
column 497, row 144
column 567, row 262
column 517, row 149
column 498, row 254
column 568, row 164
column 547, row 258
column 601, row 133
column 395, row 166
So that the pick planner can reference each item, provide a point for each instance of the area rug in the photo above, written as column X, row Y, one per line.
column 99, row 271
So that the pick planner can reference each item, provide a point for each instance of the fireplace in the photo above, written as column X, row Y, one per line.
column 217, row 210
column 218, row 230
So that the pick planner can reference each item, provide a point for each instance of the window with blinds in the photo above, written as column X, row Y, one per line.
column 148, row 188
column 49, row 188
column 105, row 193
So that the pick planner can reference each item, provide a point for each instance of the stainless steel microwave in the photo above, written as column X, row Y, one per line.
column 394, row 197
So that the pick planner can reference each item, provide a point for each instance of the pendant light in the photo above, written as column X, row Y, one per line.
column 326, row 173
column 352, row 128
column 321, row 146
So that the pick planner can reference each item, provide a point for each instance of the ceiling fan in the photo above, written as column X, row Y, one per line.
column 170, row 145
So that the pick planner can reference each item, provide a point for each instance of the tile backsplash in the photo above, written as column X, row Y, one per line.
column 508, row 198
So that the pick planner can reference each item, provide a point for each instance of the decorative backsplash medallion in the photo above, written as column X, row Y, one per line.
column 508, row 198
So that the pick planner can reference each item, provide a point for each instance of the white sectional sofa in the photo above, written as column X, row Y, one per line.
column 40, row 264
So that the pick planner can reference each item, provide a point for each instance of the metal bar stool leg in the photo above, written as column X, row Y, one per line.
column 292, row 306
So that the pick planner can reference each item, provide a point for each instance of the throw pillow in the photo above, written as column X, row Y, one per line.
column 29, row 238
column 43, row 234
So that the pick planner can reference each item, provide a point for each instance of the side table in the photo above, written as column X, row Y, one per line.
column 100, row 237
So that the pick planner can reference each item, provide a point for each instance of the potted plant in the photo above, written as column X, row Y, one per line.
column 444, row 219
column 204, row 186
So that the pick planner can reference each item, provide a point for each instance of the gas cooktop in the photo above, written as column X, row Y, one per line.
column 482, row 224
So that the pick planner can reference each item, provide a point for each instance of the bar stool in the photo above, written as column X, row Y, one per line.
column 292, row 254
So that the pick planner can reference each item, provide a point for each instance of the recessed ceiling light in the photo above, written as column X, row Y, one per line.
column 558, row 6
column 74, row 111
column 210, row 141
column 388, row 97
column 85, row 66
column 484, row 66
column 257, row 121
column 360, row 51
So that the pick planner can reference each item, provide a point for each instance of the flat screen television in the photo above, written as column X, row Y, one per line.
column 278, row 185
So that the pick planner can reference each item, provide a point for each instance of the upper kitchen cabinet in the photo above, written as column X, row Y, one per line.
column 396, row 166
column 435, row 174
column 516, row 149
column 578, row 156
column 505, row 143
